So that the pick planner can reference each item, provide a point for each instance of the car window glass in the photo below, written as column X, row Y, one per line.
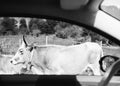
column 112, row 7
column 39, row 31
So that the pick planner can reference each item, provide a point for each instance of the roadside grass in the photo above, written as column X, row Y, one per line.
column 10, row 44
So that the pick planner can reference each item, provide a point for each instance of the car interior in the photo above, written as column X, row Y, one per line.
column 78, row 12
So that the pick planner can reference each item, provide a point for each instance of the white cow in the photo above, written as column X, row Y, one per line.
column 55, row 59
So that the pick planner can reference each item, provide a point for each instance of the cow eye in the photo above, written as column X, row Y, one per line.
column 21, row 52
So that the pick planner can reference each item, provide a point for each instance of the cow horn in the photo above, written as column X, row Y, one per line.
column 24, row 41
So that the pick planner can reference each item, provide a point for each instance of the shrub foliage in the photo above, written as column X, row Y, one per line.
column 47, row 27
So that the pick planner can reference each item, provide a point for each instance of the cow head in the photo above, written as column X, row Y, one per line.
column 23, row 54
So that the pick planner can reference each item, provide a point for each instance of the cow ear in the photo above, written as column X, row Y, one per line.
column 24, row 41
column 30, row 49
column 99, row 42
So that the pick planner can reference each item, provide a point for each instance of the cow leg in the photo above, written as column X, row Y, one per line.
column 94, row 62
column 96, row 68
column 36, row 71
column 57, row 70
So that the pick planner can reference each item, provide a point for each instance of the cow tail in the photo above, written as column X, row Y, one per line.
column 101, row 60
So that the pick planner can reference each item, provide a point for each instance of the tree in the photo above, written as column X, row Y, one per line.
column 23, row 27
column 8, row 26
column 47, row 27
column 70, row 31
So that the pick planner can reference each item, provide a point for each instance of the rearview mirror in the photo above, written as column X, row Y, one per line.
column 72, row 4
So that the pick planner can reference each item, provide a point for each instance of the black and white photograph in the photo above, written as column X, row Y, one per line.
column 60, row 42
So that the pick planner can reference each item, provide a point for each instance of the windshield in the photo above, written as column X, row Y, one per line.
column 112, row 7
column 44, row 46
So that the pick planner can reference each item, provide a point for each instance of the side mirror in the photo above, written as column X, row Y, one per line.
column 110, row 72
column 109, row 60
